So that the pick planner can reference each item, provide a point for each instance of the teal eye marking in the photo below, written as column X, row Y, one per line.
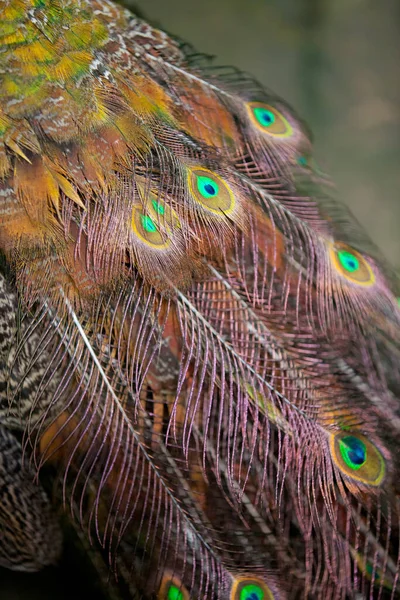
column 369, row 569
column 210, row 191
column 145, row 229
column 358, row 458
column 348, row 261
column 302, row 161
column 247, row 588
column 207, row 187
column 148, row 224
column 251, row 592
column 269, row 120
column 351, row 265
column 159, row 208
column 353, row 451
column 174, row 593
column 265, row 117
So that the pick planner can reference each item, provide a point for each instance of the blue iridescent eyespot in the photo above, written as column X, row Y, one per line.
column 269, row 120
column 353, row 451
column 250, row 588
column 207, row 187
column 251, row 592
column 357, row 457
column 348, row 261
column 211, row 191
column 264, row 116
column 351, row 265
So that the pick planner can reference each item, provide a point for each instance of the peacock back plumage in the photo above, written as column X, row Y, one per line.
column 197, row 335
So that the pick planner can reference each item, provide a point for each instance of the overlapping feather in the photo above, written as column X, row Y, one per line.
column 222, row 340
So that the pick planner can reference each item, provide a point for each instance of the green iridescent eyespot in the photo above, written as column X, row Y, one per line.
column 146, row 229
column 174, row 593
column 357, row 457
column 163, row 214
column 158, row 207
column 370, row 569
column 250, row 588
column 207, row 187
column 153, row 221
column 265, row 117
column 302, row 161
column 148, row 224
column 251, row 592
column 351, row 265
column 353, row 451
column 172, row 589
column 211, row 191
column 348, row 261
column 269, row 120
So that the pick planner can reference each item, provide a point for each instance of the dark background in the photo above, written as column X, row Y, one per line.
column 338, row 63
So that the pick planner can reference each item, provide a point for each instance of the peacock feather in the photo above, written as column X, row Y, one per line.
column 196, row 335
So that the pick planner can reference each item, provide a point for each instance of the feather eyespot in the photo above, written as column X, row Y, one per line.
column 160, row 212
column 211, row 191
column 158, row 207
column 303, row 162
column 352, row 265
column 172, row 589
column 358, row 458
column 251, row 588
column 147, row 230
column 373, row 571
column 307, row 162
column 163, row 213
column 269, row 120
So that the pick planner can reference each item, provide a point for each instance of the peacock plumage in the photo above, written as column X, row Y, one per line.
column 196, row 338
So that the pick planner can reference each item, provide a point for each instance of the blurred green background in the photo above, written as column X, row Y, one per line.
column 338, row 63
